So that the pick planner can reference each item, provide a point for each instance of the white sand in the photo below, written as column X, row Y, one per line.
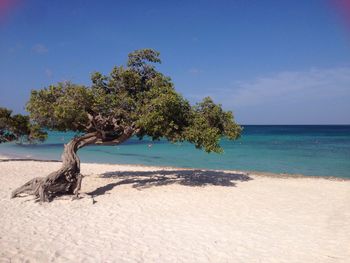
column 142, row 217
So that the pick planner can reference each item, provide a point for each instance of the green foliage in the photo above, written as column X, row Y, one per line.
column 5, row 134
column 18, row 128
column 134, row 96
column 62, row 107
column 163, row 112
column 209, row 124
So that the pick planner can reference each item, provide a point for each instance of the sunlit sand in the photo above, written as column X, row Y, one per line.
column 130, row 213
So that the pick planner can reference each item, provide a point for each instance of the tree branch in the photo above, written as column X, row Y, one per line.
column 114, row 140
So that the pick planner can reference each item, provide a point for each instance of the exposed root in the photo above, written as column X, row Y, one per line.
column 45, row 188
column 67, row 180
column 28, row 188
column 78, row 185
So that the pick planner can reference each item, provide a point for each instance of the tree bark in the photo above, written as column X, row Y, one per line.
column 67, row 180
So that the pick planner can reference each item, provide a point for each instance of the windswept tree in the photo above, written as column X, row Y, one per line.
column 133, row 100
column 19, row 128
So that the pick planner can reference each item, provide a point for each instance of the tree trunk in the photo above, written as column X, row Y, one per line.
column 67, row 180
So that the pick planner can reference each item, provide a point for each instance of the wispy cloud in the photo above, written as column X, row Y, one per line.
column 48, row 73
column 195, row 71
column 312, row 85
column 15, row 48
column 40, row 48
column 312, row 96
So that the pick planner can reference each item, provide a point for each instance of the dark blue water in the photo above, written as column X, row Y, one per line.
column 296, row 149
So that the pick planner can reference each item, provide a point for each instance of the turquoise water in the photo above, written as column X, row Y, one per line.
column 296, row 149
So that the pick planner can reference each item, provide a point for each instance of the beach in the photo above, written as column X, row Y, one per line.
column 175, row 131
column 133, row 213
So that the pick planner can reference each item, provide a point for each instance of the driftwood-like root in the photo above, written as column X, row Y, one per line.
column 28, row 188
column 45, row 188
column 67, row 180
column 78, row 185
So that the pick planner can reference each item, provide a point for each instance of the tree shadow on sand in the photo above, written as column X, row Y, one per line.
column 146, row 179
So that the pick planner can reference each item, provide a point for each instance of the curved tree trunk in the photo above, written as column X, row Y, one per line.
column 66, row 180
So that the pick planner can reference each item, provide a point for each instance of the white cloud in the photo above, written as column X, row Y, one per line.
column 312, row 96
column 315, row 84
column 195, row 71
column 48, row 73
column 40, row 48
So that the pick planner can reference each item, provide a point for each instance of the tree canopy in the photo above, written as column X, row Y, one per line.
column 134, row 98
column 18, row 128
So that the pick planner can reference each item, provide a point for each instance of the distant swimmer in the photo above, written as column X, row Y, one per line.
column 150, row 145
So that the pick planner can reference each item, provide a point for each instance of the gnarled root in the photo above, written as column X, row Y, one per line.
column 67, row 180
column 28, row 188
column 45, row 188
column 78, row 185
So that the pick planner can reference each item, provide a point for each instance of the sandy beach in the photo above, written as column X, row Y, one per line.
column 150, row 214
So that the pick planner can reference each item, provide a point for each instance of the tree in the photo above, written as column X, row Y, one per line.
column 18, row 128
column 133, row 100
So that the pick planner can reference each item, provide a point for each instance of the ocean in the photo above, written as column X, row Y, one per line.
column 316, row 150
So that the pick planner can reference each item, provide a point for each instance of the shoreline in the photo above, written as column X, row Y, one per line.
column 4, row 158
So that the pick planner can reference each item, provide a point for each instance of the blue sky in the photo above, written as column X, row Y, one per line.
column 271, row 62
